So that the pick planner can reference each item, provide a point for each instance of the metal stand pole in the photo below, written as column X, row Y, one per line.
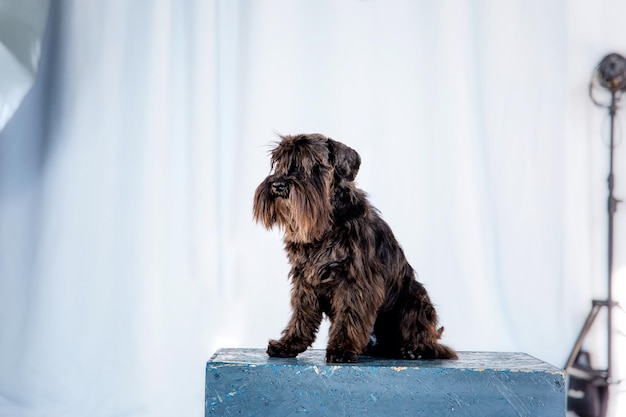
column 606, row 375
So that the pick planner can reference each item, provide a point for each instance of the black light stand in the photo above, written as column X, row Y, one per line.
column 611, row 74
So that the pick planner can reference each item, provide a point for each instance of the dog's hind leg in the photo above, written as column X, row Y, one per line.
column 419, row 333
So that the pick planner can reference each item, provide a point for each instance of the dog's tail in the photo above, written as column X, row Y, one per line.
column 440, row 332
column 439, row 351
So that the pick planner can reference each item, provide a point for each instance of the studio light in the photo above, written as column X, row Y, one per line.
column 611, row 72
column 588, row 394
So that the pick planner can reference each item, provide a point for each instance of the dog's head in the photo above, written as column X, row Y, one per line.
column 298, row 194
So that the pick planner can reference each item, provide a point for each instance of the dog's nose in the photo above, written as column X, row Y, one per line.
column 279, row 188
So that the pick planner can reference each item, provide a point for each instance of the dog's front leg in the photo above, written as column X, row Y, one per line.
column 351, row 323
column 302, row 327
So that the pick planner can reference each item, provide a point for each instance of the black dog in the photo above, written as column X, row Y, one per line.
column 345, row 261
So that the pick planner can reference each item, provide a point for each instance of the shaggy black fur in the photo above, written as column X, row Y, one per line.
column 345, row 261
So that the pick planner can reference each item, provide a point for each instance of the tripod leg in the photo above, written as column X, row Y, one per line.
column 581, row 337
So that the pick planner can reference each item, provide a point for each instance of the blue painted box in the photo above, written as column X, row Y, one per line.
column 248, row 383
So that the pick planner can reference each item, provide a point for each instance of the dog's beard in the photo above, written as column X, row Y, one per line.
column 304, row 215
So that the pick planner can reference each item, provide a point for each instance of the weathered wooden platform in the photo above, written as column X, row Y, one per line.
column 247, row 382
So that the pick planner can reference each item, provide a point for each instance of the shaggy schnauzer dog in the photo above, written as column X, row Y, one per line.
column 345, row 261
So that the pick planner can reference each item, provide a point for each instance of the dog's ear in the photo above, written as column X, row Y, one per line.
column 345, row 160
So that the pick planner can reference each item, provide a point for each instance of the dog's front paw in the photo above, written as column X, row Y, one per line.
column 277, row 349
column 341, row 356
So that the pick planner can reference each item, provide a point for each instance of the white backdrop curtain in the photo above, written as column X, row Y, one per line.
column 22, row 25
column 127, row 248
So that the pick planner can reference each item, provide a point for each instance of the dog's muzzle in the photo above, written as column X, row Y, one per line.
column 279, row 188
